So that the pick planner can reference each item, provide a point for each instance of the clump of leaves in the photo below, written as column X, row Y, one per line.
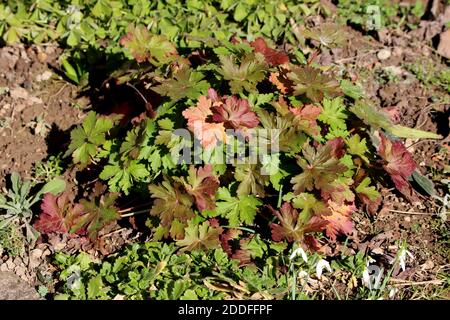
column 307, row 146
column 185, row 83
column 61, row 214
column 145, row 46
column 166, row 269
column 213, row 115
column 320, row 168
column 173, row 207
column 245, row 75
column 312, row 83
column 16, row 205
column 295, row 226
column 202, row 184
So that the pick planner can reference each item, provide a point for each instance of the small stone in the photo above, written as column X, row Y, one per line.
column 407, row 219
column 429, row 264
column 384, row 54
column 35, row 258
column 42, row 56
column 20, row 271
column 44, row 76
column 18, row 93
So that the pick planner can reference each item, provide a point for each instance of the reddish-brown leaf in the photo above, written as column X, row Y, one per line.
column 306, row 118
column 227, row 238
column 291, row 228
column 202, row 184
column 337, row 145
column 234, row 113
column 214, row 113
column 58, row 214
column 272, row 56
column 399, row 164
column 339, row 219
column 281, row 81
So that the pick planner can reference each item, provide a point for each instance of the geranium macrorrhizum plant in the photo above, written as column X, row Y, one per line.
column 331, row 148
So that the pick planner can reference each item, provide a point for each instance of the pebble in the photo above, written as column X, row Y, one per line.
column 44, row 76
column 428, row 265
column 35, row 258
column 20, row 271
column 384, row 54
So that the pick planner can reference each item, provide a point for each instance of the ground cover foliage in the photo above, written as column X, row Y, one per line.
column 258, row 226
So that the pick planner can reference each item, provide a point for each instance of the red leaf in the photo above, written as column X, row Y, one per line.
column 58, row 214
column 337, row 145
column 234, row 113
column 339, row 220
column 227, row 237
column 242, row 254
column 213, row 114
column 272, row 56
column 312, row 243
column 399, row 164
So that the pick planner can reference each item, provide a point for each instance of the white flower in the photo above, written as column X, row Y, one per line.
column 392, row 293
column 299, row 252
column 366, row 278
column 402, row 258
column 372, row 277
column 322, row 264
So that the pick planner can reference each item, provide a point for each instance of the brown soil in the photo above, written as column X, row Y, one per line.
column 29, row 88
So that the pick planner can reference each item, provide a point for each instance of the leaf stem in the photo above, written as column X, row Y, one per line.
column 134, row 213
column 240, row 228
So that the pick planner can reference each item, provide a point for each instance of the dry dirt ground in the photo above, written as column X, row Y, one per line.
column 38, row 109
